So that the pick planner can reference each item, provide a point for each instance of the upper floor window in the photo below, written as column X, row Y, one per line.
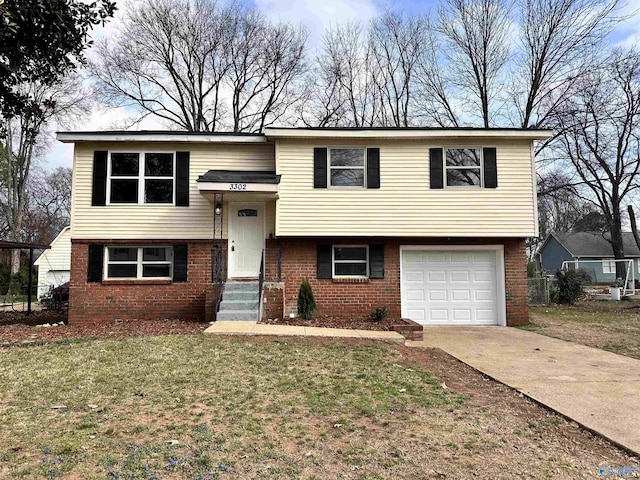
column 141, row 177
column 139, row 262
column 463, row 167
column 347, row 167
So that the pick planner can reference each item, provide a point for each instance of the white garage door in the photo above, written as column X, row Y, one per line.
column 450, row 287
column 56, row 278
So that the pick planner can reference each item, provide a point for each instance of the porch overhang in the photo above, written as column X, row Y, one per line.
column 238, row 181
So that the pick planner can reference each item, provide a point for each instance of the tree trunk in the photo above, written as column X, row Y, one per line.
column 634, row 227
column 617, row 244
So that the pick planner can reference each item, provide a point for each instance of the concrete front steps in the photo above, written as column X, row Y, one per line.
column 239, row 303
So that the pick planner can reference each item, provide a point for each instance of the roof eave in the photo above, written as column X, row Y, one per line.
column 519, row 134
column 167, row 137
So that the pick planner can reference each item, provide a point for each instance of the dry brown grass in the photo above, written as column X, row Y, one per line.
column 609, row 325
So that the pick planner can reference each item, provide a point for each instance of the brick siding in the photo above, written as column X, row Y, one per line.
column 344, row 297
column 93, row 302
column 191, row 300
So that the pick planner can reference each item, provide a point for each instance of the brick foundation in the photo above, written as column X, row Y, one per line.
column 191, row 300
column 344, row 297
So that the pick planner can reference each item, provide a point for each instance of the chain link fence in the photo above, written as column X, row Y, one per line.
column 541, row 290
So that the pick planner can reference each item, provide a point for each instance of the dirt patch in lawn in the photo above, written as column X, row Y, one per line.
column 195, row 406
column 21, row 333
column 608, row 325
column 356, row 322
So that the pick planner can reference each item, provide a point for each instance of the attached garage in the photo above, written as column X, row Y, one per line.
column 462, row 285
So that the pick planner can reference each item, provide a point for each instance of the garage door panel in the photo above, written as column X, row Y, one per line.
column 459, row 277
column 437, row 295
column 415, row 277
column 460, row 295
column 438, row 315
column 437, row 276
column 450, row 287
column 415, row 295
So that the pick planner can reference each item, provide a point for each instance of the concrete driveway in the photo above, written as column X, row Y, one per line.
column 597, row 389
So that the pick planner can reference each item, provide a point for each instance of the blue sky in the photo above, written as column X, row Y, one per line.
column 316, row 16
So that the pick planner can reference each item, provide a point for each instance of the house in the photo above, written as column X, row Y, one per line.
column 430, row 223
column 54, row 265
column 588, row 251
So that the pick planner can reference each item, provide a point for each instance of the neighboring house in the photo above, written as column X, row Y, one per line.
column 588, row 251
column 430, row 223
column 54, row 265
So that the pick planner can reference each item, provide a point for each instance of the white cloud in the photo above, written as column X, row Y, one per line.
column 317, row 15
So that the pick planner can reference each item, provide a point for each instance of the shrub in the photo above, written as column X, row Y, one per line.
column 306, row 301
column 379, row 314
column 570, row 285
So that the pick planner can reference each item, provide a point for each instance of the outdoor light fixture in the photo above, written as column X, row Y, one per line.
column 218, row 209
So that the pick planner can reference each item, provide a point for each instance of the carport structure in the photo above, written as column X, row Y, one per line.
column 6, row 245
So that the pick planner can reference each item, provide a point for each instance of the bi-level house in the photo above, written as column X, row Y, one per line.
column 430, row 223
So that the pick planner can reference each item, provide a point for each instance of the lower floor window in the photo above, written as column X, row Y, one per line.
column 139, row 262
column 608, row 266
column 350, row 261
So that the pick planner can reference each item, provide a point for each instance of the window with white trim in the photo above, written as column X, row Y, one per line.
column 141, row 177
column 608, row 266
column 139, row 262
column 350, row 260
column 463, row 167
column 347, row 167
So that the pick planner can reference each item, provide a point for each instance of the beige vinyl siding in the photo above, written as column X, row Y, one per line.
column 405, row 205
column 162, row 221
column 56, row 259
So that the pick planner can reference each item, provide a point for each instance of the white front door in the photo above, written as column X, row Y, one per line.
column 246, row 239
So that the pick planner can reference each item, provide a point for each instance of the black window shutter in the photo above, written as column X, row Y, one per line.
column 319, row 167
column 182, row 179
column 490, row 168
column 373, row 168
column 96, row 261
column 376, row 261
column 180, row 261
column 436, row 167
column 99, row 185
column 324, row 269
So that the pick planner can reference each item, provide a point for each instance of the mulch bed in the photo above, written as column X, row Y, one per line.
column 325, row 321
column 37, row 317
column 22, row 333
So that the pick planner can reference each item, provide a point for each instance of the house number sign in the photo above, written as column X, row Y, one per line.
column 237, row 186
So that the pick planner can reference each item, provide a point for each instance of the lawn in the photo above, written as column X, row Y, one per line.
column 200, row 407
column 605, row 324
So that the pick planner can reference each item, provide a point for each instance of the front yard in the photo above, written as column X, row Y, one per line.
column 609, row 325
column 199, row 407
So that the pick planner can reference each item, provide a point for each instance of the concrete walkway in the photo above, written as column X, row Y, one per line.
column 249, row 328
column 597, row 389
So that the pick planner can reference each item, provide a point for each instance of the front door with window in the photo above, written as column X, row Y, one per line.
column 246, row 239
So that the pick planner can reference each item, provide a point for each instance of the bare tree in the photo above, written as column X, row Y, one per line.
column 476, row 34
column 48, row 205
column 433, row 91
column 24, row 141
column 200, row 65
column 559, row 43
column 344, row 74
column 266, row 62
column 602, row 138
column 397, row 45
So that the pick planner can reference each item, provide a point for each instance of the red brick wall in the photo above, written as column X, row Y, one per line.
column 272, row 300
column 346, row 298
column 96, row 302
column 107, row 301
